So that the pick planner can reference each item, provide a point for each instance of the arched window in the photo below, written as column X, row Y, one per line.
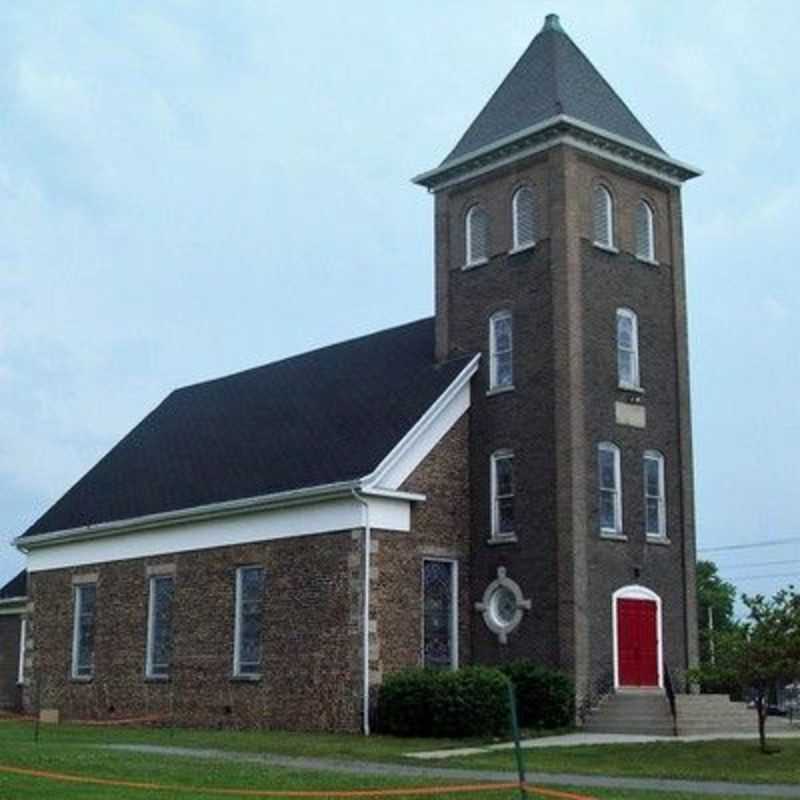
column 655, row 503
column 524, row 212
column 645, row 232
column 501, row 350
column 628, row 349
column 477, row 236
column 610, row 488
column 603, row 216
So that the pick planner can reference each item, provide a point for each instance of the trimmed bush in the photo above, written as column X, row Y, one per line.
column 545, row 697
column 472, row 701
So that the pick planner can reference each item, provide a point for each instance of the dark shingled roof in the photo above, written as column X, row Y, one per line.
column 322, row 417
column 553, row 77
column 16, row 587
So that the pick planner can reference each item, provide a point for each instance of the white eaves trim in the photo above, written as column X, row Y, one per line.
column 412, row 449
column 436, row 179
column 302, row 512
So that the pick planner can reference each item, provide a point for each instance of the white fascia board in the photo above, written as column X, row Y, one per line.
column 412, row 449
column 485, row 163
column 13, row 606
column 325, row 516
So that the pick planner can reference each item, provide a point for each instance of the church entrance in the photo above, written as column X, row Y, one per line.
column 637, row 637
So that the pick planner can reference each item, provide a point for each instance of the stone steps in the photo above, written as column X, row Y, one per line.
column 645, row 713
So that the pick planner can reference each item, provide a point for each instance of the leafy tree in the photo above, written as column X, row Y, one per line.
column 765, row 649
column 716, row 596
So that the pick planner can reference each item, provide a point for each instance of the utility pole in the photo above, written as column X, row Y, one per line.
column 711, row 636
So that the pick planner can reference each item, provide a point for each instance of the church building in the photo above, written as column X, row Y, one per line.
column 508, row 479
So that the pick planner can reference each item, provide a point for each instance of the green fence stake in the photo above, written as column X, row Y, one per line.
column 512, row 701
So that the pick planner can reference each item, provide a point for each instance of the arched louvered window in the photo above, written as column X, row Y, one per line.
column 524, row 211
column 628, row 348
column 477, row 235
column 603, row 216
column 645, row 232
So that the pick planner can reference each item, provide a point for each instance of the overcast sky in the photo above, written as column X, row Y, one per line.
column 192, row 188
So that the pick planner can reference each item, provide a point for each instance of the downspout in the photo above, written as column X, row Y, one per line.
column 366, row 603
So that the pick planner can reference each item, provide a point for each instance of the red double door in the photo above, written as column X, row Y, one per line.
column 637, row 642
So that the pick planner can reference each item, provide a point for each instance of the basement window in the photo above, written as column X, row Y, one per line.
column 84, row 603
column 248, row 655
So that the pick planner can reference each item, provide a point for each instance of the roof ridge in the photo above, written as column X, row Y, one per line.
column 303, row 354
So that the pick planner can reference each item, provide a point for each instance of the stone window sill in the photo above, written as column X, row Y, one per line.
column 606, row 248
column 499, row 390
column 245, row 678
column 523, row 248
column 624, row 387
column 613, row 537
column 663, row 541
column 81, row 678
column 649, row 261
column 505, row 538
column 475, row 264
column 156, row 679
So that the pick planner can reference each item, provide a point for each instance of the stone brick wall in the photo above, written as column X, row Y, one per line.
column 439, row 528
column 10, row 693
column 311, row 641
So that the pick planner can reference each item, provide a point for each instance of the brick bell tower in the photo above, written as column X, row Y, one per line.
column 559, row 257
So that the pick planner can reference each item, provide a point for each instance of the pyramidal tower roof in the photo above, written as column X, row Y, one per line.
column 554, row 87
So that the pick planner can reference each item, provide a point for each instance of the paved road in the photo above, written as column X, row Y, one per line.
column 404, row 771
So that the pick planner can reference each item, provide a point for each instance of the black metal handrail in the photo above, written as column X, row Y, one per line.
column 670, row 690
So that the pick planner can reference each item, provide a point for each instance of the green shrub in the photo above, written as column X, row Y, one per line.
column 472, row 701
column 545, row 697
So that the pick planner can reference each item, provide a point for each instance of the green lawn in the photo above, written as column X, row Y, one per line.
column 74, row 750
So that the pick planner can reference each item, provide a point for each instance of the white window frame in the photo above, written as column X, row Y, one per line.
column 494, row 385
column 497, row 535
column 636, row 383
column 471, row 260
column 610, row 447
column 237, row 627
column 658, row 457
column 650, row 255
column 23, row 638
column 636, row 592
column 608, row 242
column 454, row 656
column 519, row 245
column 151, row 618
column 77, row 605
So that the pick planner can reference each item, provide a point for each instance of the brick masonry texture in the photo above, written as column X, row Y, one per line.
column 311, row 646
column 439, row 529
column 10, row 694
column 563, row 296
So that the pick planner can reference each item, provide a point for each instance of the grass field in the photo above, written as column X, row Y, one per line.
column 77, row 750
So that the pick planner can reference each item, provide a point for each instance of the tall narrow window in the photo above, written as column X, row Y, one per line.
column 524, row 210
column 501, row 350
column 23, row 637
column 645, row 232
column 502, row 494
column 610, row 484
column 159, row 626
column 655, row 495
column 440, row 625
column 85, row 600
column 603, row 216
column 248, row 653
column 628, row 349
column 477, row 236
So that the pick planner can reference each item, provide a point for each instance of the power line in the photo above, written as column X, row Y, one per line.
column 795, row 575
column 722, row 567
column 773, row 543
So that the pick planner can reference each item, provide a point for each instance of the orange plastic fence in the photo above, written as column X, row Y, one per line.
column 420, row 791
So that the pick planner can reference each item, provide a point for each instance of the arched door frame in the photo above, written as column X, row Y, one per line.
column 636, row 592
